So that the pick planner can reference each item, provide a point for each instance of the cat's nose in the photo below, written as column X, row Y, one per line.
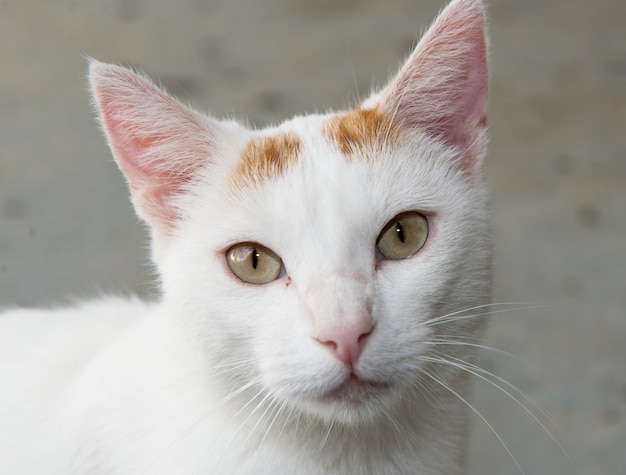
column 347, row 342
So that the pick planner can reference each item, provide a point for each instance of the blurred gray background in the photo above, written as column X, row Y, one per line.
column 557, row 167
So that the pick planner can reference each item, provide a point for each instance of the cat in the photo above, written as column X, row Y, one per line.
column 315, row 278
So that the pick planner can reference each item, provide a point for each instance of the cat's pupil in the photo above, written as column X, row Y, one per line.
column 255, row 258
column 399, row 232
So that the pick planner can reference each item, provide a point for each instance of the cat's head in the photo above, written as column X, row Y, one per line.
column 310, row 260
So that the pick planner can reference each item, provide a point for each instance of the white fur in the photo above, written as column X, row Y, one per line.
column 222, row 377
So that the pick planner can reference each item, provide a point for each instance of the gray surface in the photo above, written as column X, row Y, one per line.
column 557, row 167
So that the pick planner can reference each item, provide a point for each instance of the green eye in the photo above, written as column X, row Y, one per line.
column 403, row 236
column 253, row 263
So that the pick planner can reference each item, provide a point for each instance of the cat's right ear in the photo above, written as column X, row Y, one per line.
column 442, row 87
column 157, row 142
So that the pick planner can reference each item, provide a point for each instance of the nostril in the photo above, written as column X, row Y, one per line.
column 330, row 344
column 363, row 337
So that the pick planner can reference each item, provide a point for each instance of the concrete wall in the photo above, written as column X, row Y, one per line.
column 557, row 167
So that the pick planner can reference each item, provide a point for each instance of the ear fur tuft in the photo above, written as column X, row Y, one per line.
column 157, row 142
column 442, row 87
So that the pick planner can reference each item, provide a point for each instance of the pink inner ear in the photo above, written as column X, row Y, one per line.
column 472, row 100
column 151, row 185
column 157, row 142
column 442, row 88
column 132, row 149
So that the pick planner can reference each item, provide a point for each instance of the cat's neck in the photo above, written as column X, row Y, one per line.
column 425, row 435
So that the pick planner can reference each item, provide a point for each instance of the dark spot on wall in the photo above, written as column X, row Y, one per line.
column 128, row 10
column 610, row 417
column 588, row 215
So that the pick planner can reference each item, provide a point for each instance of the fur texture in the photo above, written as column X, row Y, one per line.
column 334, row 367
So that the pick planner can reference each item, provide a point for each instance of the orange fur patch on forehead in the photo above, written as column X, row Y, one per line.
column 266, row 158
column 361, row 131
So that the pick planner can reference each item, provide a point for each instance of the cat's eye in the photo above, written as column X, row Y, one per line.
column 253, row 263
column 403, row 236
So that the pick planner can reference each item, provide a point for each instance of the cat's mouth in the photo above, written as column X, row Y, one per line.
column 356, row 390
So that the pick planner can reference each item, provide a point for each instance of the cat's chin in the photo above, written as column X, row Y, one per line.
column 355, row 391
column 354, row 402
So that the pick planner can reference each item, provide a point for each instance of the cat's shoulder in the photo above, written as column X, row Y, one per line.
column 105, row 307
column 91, row 324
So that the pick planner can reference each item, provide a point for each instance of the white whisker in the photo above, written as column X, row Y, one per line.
column 261, row 418
column 459, row 315
column 330, row 428
column 484, row 375
column 241, row 409
column 189, row 428
column 452, row 342
column 286, row 420
column 397, row 430
column 475, row 411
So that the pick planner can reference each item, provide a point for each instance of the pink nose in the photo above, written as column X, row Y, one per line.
column 347, row 343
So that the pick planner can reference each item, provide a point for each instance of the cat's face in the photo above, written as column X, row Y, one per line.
column 310, row 261
column 322, row 218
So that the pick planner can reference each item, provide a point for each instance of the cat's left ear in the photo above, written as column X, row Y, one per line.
column 158, row 143
column 442, row 87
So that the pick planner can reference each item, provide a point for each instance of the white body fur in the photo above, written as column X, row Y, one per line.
column 221, row 377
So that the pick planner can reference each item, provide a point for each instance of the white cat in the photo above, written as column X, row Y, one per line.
column 314, row 276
